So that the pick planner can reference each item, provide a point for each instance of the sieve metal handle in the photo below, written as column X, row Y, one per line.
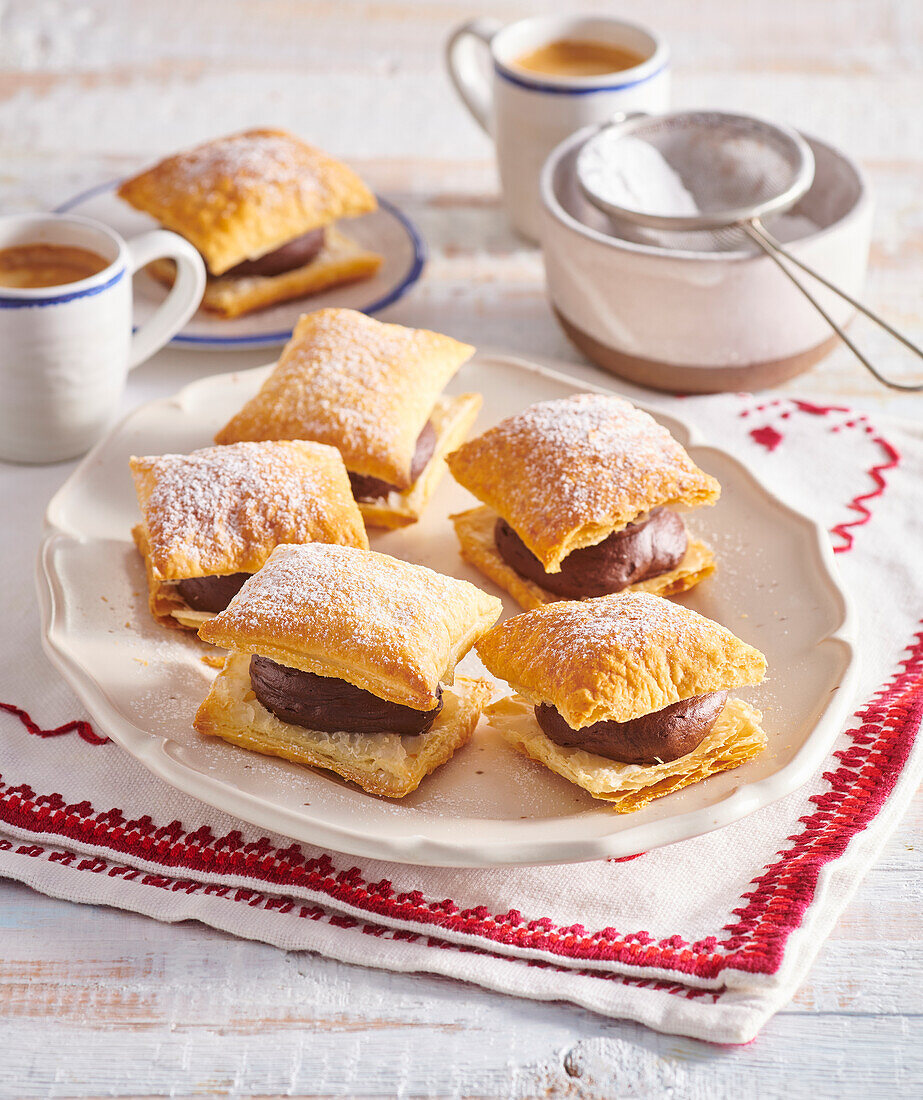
column 756, row 231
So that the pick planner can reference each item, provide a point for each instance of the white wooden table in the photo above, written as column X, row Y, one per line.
column 96, row 1002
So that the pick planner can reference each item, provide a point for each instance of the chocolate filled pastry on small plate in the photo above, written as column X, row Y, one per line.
column 262, row 207
column 580, row 497
column 211, row 518
column 345, row 659
column 628, row 696
column 374, row 391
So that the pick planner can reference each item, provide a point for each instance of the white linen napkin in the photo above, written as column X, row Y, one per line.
column 706, row 938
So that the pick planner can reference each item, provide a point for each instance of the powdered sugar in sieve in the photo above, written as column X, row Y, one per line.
column 703, row 180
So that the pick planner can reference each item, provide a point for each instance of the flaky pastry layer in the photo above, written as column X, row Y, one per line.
column 340, row 261
column 566, row 474
column 451, row 418
column 190, row 619
column 387, row 626
column 735, row 738
column 361, row 386
column 166, row 605
column 386, row 764
column 616, row 658
column 239, row 197
column 475, row 530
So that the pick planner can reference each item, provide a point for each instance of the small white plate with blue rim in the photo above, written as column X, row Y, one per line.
column 488, row 806
column 386, row 230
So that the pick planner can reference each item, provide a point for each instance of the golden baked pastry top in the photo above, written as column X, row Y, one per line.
column 238, row 197
column 386, row 626
column 223, row 510
column 566, row 474
column 364, row 387
column 615, row 658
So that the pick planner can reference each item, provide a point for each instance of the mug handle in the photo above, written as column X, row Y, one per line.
column 467, row 77
column 183, row 299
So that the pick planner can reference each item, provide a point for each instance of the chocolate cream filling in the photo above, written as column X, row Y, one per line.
column 287, row 257
column 373, row 488
column 330, row 705
column 211, row 593
column 654, row 738
column 643, row 549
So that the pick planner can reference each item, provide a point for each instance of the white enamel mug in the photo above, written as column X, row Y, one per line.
column 65, row 350
column 528, row 114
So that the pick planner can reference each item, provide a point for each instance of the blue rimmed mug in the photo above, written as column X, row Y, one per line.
column 528, row 114
column 65, row 350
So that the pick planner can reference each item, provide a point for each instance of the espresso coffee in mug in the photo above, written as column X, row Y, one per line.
column 66, row 340
column 31, row 265
column 549, row 76
column 578, row 57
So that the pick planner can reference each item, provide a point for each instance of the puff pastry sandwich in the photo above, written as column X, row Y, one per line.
column 374, row 391
column 628, row 696
column 345, row 659
column 211, row 518
column 261, row 207
column 579, row 498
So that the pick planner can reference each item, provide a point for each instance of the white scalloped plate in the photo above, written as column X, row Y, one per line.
column 488, row 806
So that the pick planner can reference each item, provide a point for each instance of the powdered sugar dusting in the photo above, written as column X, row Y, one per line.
column 588, row 459
column 358, row 609
column 584, row 434
column 351, row 381
column 632, row 621
column 243, row 195
column 238, row 162
column 617, row 656
column 221, row 507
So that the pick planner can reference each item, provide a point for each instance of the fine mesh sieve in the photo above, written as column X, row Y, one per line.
column 710, row 171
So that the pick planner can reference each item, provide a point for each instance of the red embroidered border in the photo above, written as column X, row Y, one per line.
column 755, row 942
column 868, row 770
column 275, row 903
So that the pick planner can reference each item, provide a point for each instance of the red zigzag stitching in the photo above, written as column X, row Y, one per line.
column 79, row 726
column 857, row 504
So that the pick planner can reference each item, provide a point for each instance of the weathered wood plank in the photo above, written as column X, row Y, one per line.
column 865, row 39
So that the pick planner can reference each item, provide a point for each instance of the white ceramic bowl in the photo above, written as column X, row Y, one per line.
column 700, row 322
